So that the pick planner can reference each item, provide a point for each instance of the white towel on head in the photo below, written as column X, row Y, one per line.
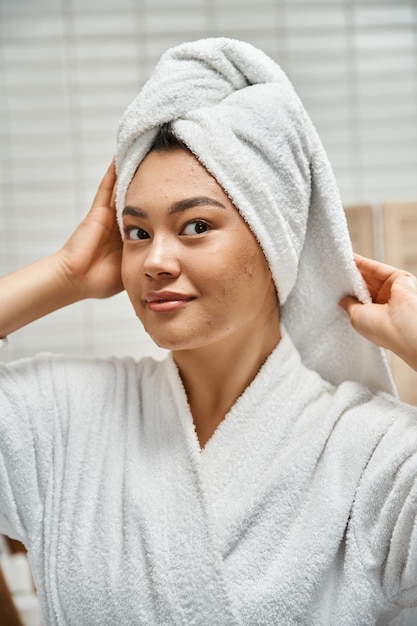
column 238, row 113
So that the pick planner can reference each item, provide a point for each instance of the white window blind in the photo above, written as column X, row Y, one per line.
column 68, row 69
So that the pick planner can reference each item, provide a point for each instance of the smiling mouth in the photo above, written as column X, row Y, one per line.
column 168, row 304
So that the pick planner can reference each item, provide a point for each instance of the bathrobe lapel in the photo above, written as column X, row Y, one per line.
column 219, row 519
column 187, row 568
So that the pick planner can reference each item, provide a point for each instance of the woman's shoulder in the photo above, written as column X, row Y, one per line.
column 80, row 370
column 383, row 515
column 374, row 411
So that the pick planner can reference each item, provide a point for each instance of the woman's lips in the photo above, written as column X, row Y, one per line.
column 166, row 301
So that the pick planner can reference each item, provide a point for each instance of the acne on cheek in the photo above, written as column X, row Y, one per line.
column 252, row 265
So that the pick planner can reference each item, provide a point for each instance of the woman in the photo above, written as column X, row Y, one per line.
column 251, row 477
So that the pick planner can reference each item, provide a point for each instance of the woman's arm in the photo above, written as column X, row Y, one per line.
column 88, row 266
column 390, row 320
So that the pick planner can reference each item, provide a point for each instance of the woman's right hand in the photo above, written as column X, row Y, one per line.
column 88, row 266
column 91, row 258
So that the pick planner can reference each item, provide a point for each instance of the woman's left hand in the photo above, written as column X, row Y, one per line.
column 390, row 320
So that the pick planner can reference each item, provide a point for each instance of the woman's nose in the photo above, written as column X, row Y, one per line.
column 161, row 258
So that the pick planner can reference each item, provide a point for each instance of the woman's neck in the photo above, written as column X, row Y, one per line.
column 216, row 375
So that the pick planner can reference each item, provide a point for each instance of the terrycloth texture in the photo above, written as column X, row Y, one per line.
column 300, row 510
column 238, row 113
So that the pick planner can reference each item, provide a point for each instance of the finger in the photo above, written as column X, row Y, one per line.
column 106, row 187
column 363, row 317
column 382, row 278
column 348, row 304
column 375, row 270
column 113, row 196
column 358, row 312
column 378, row 277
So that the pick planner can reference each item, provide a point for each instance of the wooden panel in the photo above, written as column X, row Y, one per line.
column 361, row 228
column 400, row 234
column 400, row 225
column 8, row 612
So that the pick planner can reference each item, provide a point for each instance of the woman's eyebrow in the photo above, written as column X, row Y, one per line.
column 177, row 207
column 130, row 210
column 189, row 203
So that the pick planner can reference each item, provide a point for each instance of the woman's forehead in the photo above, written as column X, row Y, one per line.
column 174, row 172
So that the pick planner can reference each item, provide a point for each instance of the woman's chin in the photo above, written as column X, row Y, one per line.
column 172, row 341
column 176, row 341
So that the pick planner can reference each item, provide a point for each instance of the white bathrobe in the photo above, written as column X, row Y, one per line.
column 300, row 510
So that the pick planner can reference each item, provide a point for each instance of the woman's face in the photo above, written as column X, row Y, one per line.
column 192, row 268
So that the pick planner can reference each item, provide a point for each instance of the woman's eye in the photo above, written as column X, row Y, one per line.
column 195, row 228
column 137, row 233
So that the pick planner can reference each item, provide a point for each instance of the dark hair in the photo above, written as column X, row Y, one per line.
column 166, row 140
